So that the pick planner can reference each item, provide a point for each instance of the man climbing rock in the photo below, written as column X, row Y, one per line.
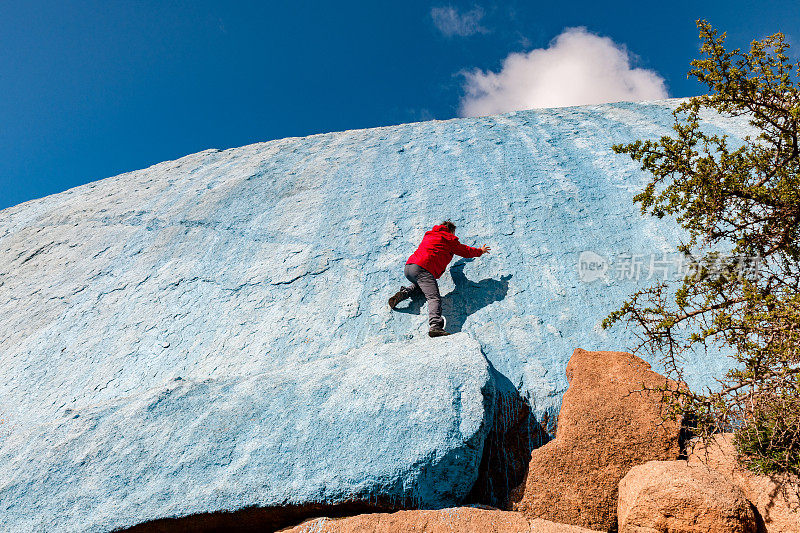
column 427, row 264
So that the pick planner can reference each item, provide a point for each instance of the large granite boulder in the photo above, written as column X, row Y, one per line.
column 674, row 497
column 156, row 319
column 460, row 519
column 776, row 499
column 607, row 424
column 394, row 424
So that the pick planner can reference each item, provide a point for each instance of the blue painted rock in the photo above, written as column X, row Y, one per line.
column 212, row 333
column 402, row 424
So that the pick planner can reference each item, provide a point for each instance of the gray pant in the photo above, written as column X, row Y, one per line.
column 422, row 280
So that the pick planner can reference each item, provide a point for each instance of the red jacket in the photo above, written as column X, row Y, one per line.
column 437, row 249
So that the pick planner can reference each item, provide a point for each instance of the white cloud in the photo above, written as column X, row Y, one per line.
column 577, row 68
column 450, row 22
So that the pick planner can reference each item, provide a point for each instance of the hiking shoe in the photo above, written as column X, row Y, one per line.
column 437, row 332
column 396, row 299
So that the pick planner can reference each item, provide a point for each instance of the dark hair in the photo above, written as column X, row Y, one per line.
column 449, row 225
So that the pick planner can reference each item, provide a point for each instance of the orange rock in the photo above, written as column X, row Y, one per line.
column 607, row 424
column 777, row 501
column 455, row 520
column 539, row 525
column 675, row 497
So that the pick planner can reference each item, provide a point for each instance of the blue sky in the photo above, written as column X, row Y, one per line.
column 92, row 89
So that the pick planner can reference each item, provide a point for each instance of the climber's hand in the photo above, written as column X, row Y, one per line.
column 485, row 248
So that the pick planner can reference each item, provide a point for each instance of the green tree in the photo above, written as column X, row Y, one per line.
column 739, row 204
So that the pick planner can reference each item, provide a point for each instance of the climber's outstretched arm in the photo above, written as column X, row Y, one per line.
column 468, row 251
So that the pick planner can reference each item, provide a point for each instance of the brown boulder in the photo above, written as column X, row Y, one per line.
column 458, row 519
column 674, row 497
column 606, row 425
column 776, row 500
column 539, row 525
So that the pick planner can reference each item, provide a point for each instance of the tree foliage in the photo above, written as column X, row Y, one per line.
column 740, row 205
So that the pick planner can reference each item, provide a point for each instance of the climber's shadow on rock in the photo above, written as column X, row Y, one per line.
column 470, row 296
column 465, row 299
